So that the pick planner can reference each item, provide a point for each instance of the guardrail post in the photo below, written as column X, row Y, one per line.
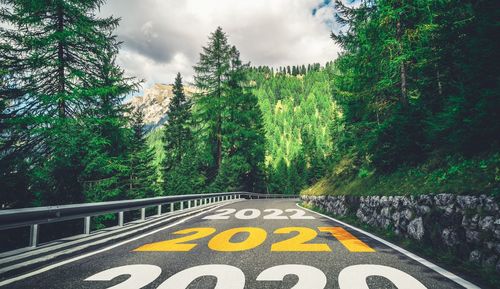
column 182, row 205
column 86, row 225
column 143, row 214
column 34, row 235
column 172, row 207
column 159, row 210
column 120, row 219
column 189, row 204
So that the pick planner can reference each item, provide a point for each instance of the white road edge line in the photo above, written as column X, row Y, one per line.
column 420, row 260
column 50, row 267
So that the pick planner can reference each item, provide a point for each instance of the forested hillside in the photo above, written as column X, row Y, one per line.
column 299, row 117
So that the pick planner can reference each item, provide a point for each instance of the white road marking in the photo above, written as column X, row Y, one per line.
column 421, row 260
column 50, row 267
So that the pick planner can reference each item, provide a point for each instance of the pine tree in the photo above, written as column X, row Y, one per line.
column 210, row 78
column 243, row 130
column 229, row 116
column 142, row 173
column 106, row 170
column 180, row 166
column 177, row 130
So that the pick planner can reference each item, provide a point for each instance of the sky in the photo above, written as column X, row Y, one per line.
column 163, row 37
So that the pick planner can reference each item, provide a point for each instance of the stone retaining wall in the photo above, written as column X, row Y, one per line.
column 468, row 225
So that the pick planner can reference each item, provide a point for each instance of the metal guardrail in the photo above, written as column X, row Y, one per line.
column 33, row 217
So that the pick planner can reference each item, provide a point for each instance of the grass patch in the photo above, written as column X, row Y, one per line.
column 450, row 175
column 484, row 277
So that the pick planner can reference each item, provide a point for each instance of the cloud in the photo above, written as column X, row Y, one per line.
column 163, row 37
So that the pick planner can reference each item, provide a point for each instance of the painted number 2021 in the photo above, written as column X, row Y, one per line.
column 222, row 242
column 230, row 277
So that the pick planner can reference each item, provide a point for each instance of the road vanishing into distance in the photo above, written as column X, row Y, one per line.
column 244, row 244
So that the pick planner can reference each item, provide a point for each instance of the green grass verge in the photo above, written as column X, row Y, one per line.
column 484, row 277
column 450, row 175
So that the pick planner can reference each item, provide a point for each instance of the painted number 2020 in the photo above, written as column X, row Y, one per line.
column 230, row 277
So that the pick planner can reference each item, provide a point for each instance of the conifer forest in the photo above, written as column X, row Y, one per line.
column 410, row 105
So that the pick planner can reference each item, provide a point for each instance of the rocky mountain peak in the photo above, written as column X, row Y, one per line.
column 155, row 103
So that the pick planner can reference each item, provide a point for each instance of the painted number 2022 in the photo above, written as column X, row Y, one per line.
column 269, row 214
column 230, row 277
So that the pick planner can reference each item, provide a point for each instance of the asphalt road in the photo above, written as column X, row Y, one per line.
column 252, row 244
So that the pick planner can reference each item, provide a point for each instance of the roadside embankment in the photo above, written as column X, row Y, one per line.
column 466, row 226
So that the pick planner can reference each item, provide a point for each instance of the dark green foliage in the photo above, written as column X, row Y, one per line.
column 416, row 82
column 416, row 79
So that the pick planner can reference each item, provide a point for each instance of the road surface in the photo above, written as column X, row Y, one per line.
column 245, row 244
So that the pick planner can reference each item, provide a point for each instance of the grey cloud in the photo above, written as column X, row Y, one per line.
column 162, row 37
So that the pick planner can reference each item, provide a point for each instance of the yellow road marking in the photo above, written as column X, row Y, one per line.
column 222, row 241
column 175, row 245
column 298, row 242
column 352, row 243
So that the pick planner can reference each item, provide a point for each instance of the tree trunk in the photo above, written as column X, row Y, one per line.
column 60, row 57
column 219, row 120
column 438, row 79
column 403, row 71
column 219, row 143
